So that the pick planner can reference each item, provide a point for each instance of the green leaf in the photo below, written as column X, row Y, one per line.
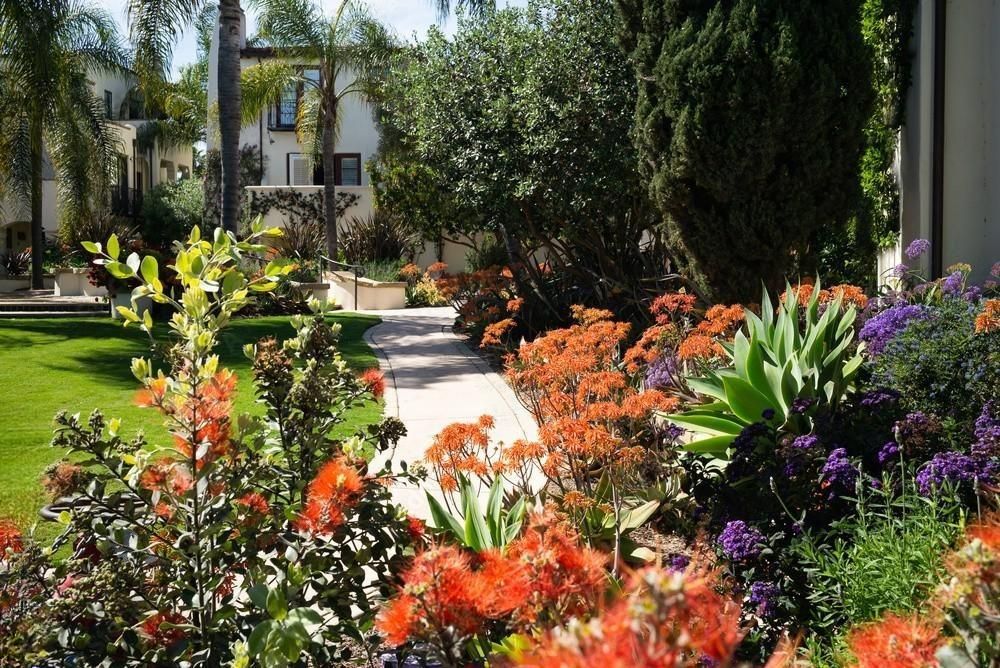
column 91, row 247
column 747, row 403
column 706, row 424
column 119, row 270
column 710, row 387
column 716, row 446
column 149, row 269
column 477, row 536
column 258, row 637
column 636, row 517
column 113, row 248
column 442, row 519
column 494, row 512
column 128, row 314
column 258, row 596
column 277, row 606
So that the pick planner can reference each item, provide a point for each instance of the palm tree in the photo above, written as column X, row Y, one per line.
column 155, row 26
column 48, row 48
column 350, row 50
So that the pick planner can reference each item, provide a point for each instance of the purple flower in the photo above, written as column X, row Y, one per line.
column 917, row 248
column 806, row 442
column 663, row 373
column 741, row 542
column 839, row 473
column 972, row 293
column 888, row 453
column 955, row 468
column 917, row 432
column 679, row 562
column 800, row 406
column 900, row 271
column 987, row 432
column 952, row 284
column 995, row 269
column 768, row 414
column 890, row 323
column 764, row 596
column 879, row 397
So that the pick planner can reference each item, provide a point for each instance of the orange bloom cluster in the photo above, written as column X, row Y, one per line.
column 254, row 502
column 666, row 619
column 336, row 487
column 410, row 273
column 160, row 628
column 374, row 381
column 167, row 475
column 989, row 319
column 896, row 642
column 461, row 448
column 448, row 593
column 10, row 538
column 494, row 332
column 847, row 293
column 587, row 408
column 701, row 343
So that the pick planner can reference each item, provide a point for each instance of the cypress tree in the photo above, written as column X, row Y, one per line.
column 749, row 126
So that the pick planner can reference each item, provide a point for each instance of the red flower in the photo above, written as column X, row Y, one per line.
column 374, row 381
column 160, row 629
column 335, row 488
column 416, row 528
column 254, row 503
column 896, row 642
column 10, row 538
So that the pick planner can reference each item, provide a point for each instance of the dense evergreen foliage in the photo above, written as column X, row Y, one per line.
column 749, row 124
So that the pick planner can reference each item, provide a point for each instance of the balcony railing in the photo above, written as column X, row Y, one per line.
column 126, row 202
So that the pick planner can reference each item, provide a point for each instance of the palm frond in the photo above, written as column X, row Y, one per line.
column 262, row 85
column 308, row 128
column 473, row 7
column 155, row 26
column 293, row 27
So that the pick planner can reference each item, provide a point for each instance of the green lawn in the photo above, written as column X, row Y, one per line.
column 82, row 364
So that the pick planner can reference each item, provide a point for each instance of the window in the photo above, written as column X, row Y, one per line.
column 287, row 108
column 300, row 170
column 348, row 169
column 108, row 104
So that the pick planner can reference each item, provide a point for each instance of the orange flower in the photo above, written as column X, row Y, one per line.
column 437, row 268
column 699, row 347
column 160, row 628
column 254, row 502
column 10, row 538
column 665, row 619
column 154, row 477
column 335, row 488
column 374, row 380
column 848, row 294
column 153, row 393
column 493, row 334
column 439, row 596
column 896, row 642
column 989, row 319
column 671, row 303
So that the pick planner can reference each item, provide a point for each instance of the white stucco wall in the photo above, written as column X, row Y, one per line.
column 971, row 136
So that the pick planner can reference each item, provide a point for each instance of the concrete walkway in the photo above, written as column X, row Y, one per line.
column 432, row 380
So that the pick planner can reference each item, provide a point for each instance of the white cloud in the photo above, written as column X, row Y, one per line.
column 406, row 17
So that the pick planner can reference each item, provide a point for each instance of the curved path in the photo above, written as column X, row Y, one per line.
column 433, row 379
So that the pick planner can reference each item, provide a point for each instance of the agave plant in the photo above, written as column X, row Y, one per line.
column 477, row 529
column 785, row 355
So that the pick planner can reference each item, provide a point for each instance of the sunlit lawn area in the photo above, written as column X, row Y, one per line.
column 82, row 364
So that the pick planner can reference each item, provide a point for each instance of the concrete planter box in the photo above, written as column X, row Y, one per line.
column 8, row 284
column 142, row 304
column 320, row 291
column 371, row 295
column 73, row 282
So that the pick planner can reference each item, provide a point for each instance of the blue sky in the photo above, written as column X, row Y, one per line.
column 407, row 18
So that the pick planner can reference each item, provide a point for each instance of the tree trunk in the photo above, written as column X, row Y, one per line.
column 330, row 176
column 37, row 229
column 230, row 103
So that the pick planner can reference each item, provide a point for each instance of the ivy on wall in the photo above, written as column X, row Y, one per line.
column 886, row 27
column 298, row 207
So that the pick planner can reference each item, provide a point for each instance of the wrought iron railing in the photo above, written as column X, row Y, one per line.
column 126, row 202
column 356, row 269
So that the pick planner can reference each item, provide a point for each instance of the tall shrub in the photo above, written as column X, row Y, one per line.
column 749, row 125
